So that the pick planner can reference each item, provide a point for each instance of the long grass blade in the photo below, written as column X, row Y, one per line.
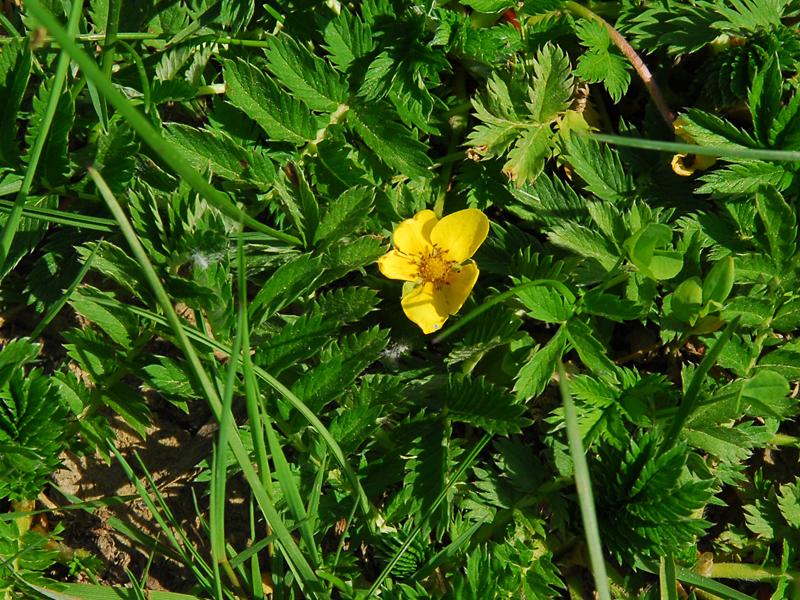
column 583, row 483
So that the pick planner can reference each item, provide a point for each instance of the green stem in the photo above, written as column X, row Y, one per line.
column 458, row 125
column 633, row 57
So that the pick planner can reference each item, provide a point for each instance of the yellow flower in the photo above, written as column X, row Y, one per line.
column 685, row 164
column 434, row 257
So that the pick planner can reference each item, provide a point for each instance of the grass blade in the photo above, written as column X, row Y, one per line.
column 583, row 484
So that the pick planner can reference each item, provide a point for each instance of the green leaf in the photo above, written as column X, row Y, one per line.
column 54, row 166
column 600, row 64
column 687, row 300
column 745, row 177
column 307, row 76
column 536, row 373
column 765, row 98
column 209, row 151
column 753, row 312
column 482, row 404
column 787, row 318
column 645, row 251
column 780, row 224
column 347, row 39
column 610, row 306
column 551, row 90
column 284, row 286
column 768, row 392
column 784, row 361
column 15, row 68
column 585, row 242
column 599, row 166
column 593, row 354
column 527, row 157
column 393, row 143
column 718, row 284
column 339, row 366
column 283, row 118
column 299, row 200
column 488, row 6
column 117, row 326
column 116, row 155
column 344, row 214
column 546, row 304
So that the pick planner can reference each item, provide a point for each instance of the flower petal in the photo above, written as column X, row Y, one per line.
column 426, row 307
column 460, row 233
column 458, row 287
column 413, row 236
column 397, row 266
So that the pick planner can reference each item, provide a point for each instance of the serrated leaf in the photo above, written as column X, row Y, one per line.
column 606, row 68
column 585, row 242
column 488, row 6
column 551, row 89
column 599, row 166
column 392, row 142
column 347, row 39
column 307, row 76
column 15, row 68
column 284, row 286
column 534, row 374
column 209, row 151
column 787, row 318
column 780, row 224
column 344, row 214
column 610, row 306
column 480, row 403
column 752, row 312
column 765, row 98
column 116, row 155
column 339, row 366
column 745, row 177
column 282, row 117
column 109, row 322
column 54, row 164
column 527, row 157
column 549, row 200
column 546, row 304
column 593, row 354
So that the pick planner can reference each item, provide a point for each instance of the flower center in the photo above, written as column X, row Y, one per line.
column 434, row 267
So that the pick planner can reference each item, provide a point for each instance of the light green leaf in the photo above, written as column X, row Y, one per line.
column 551, row 90
column 526, row 159
column 718, row 284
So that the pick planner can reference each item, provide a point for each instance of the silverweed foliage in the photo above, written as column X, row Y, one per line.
column 198, row 202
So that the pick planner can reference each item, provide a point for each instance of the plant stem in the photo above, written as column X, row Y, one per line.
column 633, row 57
